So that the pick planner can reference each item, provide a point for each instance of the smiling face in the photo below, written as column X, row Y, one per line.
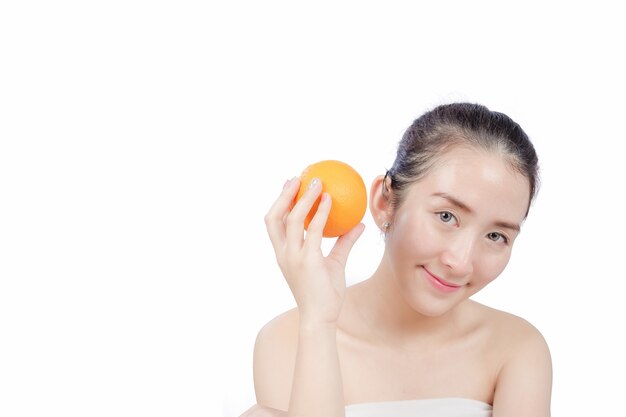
column 453, row 233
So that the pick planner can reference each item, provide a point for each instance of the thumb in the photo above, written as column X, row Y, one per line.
column 344, row 244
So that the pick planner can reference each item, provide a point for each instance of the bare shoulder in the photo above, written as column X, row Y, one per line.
column 524, row 379
column 274, row 359
column 512, row 334
column 285, row 325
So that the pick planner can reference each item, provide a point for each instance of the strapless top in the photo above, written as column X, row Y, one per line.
column 435, row 407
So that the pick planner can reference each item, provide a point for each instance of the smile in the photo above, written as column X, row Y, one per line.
column 440, row 284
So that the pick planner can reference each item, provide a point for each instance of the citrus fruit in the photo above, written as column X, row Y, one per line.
column 346, row 189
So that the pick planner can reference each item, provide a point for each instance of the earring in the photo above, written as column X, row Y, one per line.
column 385, row 226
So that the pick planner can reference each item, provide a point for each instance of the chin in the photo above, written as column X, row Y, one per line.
column 433, row 308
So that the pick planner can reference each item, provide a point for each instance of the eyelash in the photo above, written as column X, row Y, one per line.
column 504, row 238
column 441, row 213
column 489, row 235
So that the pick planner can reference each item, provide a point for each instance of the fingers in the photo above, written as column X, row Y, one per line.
column 285, row 224
column 315, row 230
column 344, row 244
column 295, row 220
column 274, row 219
column 285, row 221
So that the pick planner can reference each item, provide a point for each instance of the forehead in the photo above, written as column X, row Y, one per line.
column 484, row 180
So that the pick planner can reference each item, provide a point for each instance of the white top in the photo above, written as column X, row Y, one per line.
column 436, row 407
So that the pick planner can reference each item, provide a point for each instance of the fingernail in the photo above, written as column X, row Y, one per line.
column 313, row 183
column 289, row 182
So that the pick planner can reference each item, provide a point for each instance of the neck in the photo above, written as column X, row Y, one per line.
column 384, row 314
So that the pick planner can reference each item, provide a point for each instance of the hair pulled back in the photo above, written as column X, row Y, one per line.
column 459, row 124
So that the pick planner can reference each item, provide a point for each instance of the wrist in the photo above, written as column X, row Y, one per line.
column 316, row 327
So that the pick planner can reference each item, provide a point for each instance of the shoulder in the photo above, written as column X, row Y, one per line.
column 524, row 372
column 278, row 330
column 519, row 338
column 511, row 339
column 274, row 358
column 509, row 332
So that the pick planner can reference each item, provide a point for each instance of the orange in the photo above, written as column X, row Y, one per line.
column 346, row 189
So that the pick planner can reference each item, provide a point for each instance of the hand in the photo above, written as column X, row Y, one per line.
column 317, row 282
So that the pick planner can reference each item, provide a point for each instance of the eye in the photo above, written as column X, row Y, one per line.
column 447, row 217
column 497, row 237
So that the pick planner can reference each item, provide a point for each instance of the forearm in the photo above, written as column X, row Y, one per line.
column 317, row 389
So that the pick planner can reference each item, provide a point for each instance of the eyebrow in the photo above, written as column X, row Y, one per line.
column 454, row 201
column 461, row 205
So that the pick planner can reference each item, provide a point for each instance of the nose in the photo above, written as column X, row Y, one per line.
column 458, row 255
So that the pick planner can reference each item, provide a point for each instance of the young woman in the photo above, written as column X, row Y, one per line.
column 408, row 341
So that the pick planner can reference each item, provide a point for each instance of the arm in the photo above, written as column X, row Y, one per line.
column 318, row 285
column 524, row 383
column 296, row 367
column 261, row 411
column 317, row 385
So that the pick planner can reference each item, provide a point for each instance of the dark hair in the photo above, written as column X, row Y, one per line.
column 450, row 125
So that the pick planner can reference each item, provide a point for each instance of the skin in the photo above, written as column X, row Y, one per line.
column 397, row 335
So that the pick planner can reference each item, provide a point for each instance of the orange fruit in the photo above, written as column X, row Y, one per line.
column 346, row 189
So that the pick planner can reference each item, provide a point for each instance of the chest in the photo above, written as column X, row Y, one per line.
column 464, row 369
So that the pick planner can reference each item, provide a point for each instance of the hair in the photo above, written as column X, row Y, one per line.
column 459, row 124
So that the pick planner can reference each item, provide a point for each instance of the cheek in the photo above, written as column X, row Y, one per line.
column 490, row 266
column 414, row 240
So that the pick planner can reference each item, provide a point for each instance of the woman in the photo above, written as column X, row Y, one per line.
column 408, row 340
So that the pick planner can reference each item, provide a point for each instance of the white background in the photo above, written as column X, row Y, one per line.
column 141, row 144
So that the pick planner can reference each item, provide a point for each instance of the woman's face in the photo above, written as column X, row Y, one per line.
column 454, row 232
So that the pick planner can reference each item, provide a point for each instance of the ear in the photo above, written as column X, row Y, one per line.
column 380, row 202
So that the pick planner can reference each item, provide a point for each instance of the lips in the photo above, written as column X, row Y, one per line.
column 439, row 283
